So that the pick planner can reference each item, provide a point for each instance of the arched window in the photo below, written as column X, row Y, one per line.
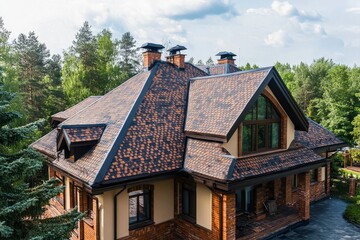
column 261, row 128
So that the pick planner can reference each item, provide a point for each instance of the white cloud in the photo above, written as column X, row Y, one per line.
column 285, row 9
column 259, row 11
column 355, row 10
column 277, row 39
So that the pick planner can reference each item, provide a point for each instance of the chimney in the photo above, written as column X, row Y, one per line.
column 151, row 54
column 226, row 57
column 176, row 57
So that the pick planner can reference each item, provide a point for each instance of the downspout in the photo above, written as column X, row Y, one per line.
column 97, row 219
column 220, row 212
column 115, row 212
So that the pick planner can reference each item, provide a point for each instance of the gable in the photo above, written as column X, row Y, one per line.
column 218, row 104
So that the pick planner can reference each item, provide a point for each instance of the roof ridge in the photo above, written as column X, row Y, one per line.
column 122, row 132
column 234, row 73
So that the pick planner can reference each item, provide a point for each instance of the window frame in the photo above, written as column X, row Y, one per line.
column 146, row 191
column 294, row 182
column 281, row 121
column 191, row 189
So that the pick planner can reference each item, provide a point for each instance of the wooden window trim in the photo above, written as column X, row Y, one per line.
column 282, row 127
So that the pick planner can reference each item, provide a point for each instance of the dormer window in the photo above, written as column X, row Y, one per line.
column 78, row 140
column 261, row 129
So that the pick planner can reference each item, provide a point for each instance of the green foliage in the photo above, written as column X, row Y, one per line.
column 210, row 62
column 355, row 154
column 96, row 64
column 23, row 192
column 352, row 213
column 248, row 67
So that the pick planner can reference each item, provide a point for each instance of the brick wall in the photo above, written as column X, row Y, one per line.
column 318, row 189
column 161, row 231
column 187, row 230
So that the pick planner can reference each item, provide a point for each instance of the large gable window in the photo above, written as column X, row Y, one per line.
column 261, row 128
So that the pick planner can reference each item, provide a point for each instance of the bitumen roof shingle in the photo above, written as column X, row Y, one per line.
column 155, row 141
column 216, row 102
column 61, row 116
column 207, row 158
column 317, row 136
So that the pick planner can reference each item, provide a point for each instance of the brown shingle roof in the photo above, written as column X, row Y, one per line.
column 84, row 134
column 317, row 136
column 112, row 110
column 216, row 102
column 219, row 69
column 47, row 144
column 61, row 116
column 155, row 140
column 275, row 162
column 207, row 158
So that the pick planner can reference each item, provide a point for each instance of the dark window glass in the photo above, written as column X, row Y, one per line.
column 294, row 181
column 139, row 206
column 261, row 128
column 189, row 201
column 244, row 200
column 313, row 175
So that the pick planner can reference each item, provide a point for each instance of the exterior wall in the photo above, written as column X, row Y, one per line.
column 290, row 131
column 67, row 193
column 232, row 145
column 187, row 230
column 203, row 206
column 163, row 201
column 318, row 189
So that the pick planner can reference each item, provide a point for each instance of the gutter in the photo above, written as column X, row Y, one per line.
column 115, row 212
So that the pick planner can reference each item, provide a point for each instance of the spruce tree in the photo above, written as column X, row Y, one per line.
column 23, row 193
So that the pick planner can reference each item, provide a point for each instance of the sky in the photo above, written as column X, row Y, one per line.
column 260, row 32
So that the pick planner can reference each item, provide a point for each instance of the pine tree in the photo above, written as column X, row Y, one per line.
column 23, row 193
column 129, row 54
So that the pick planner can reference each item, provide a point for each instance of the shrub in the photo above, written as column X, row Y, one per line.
column 352, row 213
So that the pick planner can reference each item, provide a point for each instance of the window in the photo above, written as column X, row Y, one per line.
column 294, row 182
column 244, row 200
column 189, row 201
column 139, row 207
column 89, row 206
column 261, row 128
column 313, row 175
column 73, row 195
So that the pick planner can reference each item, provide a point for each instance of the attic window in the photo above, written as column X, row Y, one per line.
column 261, row 128
column 78, row 140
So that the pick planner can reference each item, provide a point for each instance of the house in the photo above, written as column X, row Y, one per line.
column 181, row 152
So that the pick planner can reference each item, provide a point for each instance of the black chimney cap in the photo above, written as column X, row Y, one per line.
column 176, row 49
column 154, row 47
column 228, row 55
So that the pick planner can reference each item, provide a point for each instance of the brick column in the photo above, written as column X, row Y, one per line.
column 229, row 216
column 260, row 199
column 288, row 190
column 352, row 187
column 304, row 195
column 81, row 206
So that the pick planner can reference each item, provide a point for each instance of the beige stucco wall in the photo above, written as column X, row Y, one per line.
column 106, row 215
column 232, row 145
column 290, row 132
column 163, row 208
column 163, row 201
column 323, row 173
column 67, row 193
column 123, row 214
column 203, row 206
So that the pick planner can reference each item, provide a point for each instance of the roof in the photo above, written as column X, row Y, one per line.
column 61, row 116
column 139, row 127
column 251, row 167
column 112, row 110
column 208, row 158
column 317, row 137
column 152, row 46
column 155, row 141
column 217, row 104
column 219, row 69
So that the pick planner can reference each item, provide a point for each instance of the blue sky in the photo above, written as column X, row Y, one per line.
column 260, row 32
